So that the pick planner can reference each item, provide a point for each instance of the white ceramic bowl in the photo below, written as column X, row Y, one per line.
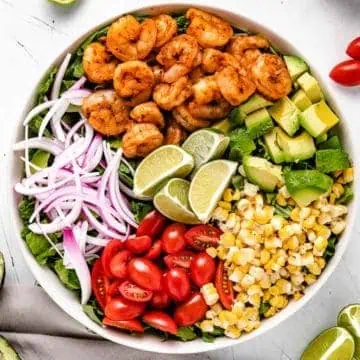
column 66, row 299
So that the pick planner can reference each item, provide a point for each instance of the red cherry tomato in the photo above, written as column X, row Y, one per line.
column 201, row 237
column 131, row 325
column 119, row 264
column 182, row 259
column 139, row 244
column 160, row 320
column 145, row 273
column 160, row 300
column 135, row 293
column 99, row 283
column 224, row 286
column 154, row 251
column 119, row 308
column 191, row 311
column 202, row 269
column 353, row 50
column 177, row 284
column 113, row 290
column 152, row 224
column 110, row 250
column 347, row 73
column 173, row 238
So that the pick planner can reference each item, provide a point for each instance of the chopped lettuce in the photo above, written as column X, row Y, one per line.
column 92, row 310
column 67, row 276
column 186, row 333
column 140, row 209
column 26, row 208
column 330, row 249
column 209, row 337
column 182, row 23
column 45, row 85
column 347, row 196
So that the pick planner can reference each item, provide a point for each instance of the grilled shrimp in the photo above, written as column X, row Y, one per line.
column 236, row 87
column 214, row 60
column 217, row 109
column 128, row 40
column 141, row 139
column 132, row 78
column 184, row 118
column 207, row 29
column 148, row 112
column 99, row 65
column 271, row 76
column 196, row 74
column 178, row 57
column 106, row 112
column 166, row 29
column 206, row 90
column 158, row 72
column 168, row 96
column 140, row 98
column 174, row 134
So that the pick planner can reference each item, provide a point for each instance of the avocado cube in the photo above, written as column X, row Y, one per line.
column 330, row 160
column 322, row 138
column 240, row 144
column 332, row 143
column 311, row 87
column 318, row 119
column 39, row 159
column 258, row 123
column 276, row 153
column 286, row 114
column 301, row 100
column 223, row 125
column 305, row 186
column 296, row 66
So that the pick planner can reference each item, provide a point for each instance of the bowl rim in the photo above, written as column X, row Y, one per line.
column 47, row 280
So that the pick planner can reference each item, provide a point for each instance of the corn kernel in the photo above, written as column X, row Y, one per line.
column 297, row 279
column 297, row 296
column 314, row 269
column 292, row 243
column 227, row 239
column 348, row 175
column 284, row 192
column 247, row 281
column 255, row 300
column 338, row 226
column 246, row 225
column 278, row 222
column 315, row 212
column 286, row 232
column 295, row 214
column 225, row 205
column 228, row 195
column 232, row 332
column 307, row 259
column 251, row 313
column 337, row 189
column 207, row 326
column 274, row 290
column 238, row 309
column 211, row 251
column 236, row 195
column 310, row 279
column 222, row 252
column 281, row 200
column 264, row 256
column 220, row 214
column 324, row 218
column 273, row 243
column 284, row 286
column 268, row 230
column 322, row 230
column 264, row 215
column 265, row 282
column 242, row 297
column 254, row 289
column 243, row 204
column 267, row 296
column 259, row 201
column 320, row 261
column 320, row 243
column 227, row 317
column 271, row 312
column 276, row 301
column 250, row 189
column 293, row 269
column 236, row 275
column 310, row 222
column 210, row 294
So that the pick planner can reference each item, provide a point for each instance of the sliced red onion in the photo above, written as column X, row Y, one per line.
column 76, row 97
column 55, row 91
column 94, row 161
column 42, row 144
column 79, row 263
column 97, row 241
column 56, row 120
column 59, row 104
column 130, row 193
column 38, row 110
column 27, row 160
column 79, row 84
column 72, row 132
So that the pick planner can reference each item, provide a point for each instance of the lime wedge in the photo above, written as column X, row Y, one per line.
column 349, row 318
column 2, row 269
column 335, row 343
column 208, row 185
column 205, row 145
column 63, row 2
column 172, row 202
column 162, row 164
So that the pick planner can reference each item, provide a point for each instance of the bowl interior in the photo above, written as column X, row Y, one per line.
column 70, row 303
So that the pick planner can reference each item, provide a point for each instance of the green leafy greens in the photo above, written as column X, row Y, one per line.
column 140, row 209
column 182, row 22
column 45, row 85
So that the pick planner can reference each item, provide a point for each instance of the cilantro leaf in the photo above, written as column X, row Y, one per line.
column 140, row 209
column 283, row 211
column 264, row 307
column 330, row 249
column 92, row 310
column 186, row 333
column 182, row 23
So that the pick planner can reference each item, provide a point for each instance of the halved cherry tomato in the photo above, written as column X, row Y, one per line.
column 160, row 300
column 177, row 284
column 202, row 269
column 99, row 283
column 110, row 250
column 201, row 237
column 139, row 244
column 173, row 239
column 191, row 311
column 135, row 293
column 347, row 73
column 152, row 224
column 182, row 259
column 119, row 308
column 113, row 290
column 224, row 286
column 160, row 320
column 145, row 273
column 353, row 50
column 131, row 325
column 119, row 264
column 154, row 251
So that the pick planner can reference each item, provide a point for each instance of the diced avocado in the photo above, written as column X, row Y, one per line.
column 262, row 172
column 332, row 143
column 6, row 350
column 2, row 269
column 258, row 123
column 311, row 87
column 223, row 125
column 277, row 154
column 301, row 100
column 286, row 114
column 331, row 160
column 296, row 66
column 240, row 144
column 39, row 159
column 318, row 119
column 322, row 138
column 305, row 186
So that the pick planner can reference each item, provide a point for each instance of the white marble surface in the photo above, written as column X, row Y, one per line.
column 33, row 32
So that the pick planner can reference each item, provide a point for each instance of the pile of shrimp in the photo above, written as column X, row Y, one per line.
column 158, row 85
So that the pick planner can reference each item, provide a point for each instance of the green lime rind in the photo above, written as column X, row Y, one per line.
column 63, row 2
column 7, row 352
column 2, row 269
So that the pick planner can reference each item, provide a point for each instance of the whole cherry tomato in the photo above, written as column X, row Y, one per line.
column 119, row 308
column 160, row 320
column 353, row 50
column 173, row 239
column 152, row 225
column 154, row 251
column 110, row 250
column 145, row 273
column 191, row 311
column 130, row 325
column 139, row 245
column 347, row 73
column 201, row 237
column 160, row 300
column 177, row 284
column 224, row 286
column 182, row 259
column 202, row 269
column 119, row 264
column 99, row 283
column 135, row 293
